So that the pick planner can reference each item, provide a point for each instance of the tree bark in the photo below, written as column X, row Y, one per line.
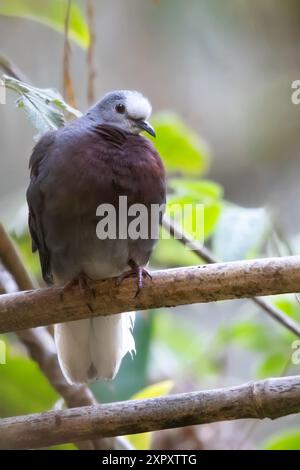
column 270, row 398
column 168, row 288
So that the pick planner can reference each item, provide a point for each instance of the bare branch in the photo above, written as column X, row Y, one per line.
column 12, row 262
column 91, row 96
column 69, row 92
column 272, row 398
column 208, row 257
column 168, row 288
column 188, row 241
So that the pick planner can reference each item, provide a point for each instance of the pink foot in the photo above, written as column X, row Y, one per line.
column 136, row 271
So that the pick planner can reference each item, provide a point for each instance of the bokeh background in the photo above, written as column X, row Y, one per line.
column 221, row 71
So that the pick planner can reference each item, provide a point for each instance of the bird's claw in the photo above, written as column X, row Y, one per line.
column 136, row 271
column 85, row 289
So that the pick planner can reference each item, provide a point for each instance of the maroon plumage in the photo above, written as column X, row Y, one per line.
column 73, row 171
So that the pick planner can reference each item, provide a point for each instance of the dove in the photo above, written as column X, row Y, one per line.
column 89, row 163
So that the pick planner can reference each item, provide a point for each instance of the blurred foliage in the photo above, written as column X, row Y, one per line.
column 287, row 440
column 205, row 205
column 23, row 387
column 184, row 347
column 51, row 13
column 182, row 150
column 168, row 346
column 30, row 259
column 186, row 193
column 271, row 345
column 240, row 233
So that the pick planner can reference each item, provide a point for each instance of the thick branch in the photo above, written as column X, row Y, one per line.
column 205, row 283
column 270, row 398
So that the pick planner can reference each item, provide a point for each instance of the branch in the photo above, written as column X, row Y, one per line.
column 208, row 257
column 40, row 344
column 271, row 398
column 68, row 86
column 92, row 73
column 12, row 262
column 11, row 69
column 168, row 288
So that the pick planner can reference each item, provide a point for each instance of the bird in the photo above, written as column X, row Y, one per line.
column 94, row 160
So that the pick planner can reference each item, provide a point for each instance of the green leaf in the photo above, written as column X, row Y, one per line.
column 182, row 204
column 155, row 390
column 143, row 441
column 288, row 304
column 51, row 13
column 23, row 387
column 173, row 253
column 45, row 107
column 182, row 150
column 202, row 190
column 287, row 440
column 189, row 196
column 240, row 232
column 63, row 447
column 273, row 365
column 194, row 217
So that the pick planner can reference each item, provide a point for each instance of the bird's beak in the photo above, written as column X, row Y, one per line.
column 145, row 126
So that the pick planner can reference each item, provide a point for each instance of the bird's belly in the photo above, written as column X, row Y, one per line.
column 76, row 249
column 107, row 258
column 83, row 252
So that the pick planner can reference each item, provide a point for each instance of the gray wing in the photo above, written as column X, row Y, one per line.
column 35, row 203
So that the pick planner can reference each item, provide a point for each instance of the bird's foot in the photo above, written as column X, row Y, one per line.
column 136, row 271
column 86, row 290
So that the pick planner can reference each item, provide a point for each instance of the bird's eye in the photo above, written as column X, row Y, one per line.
column 120, row 108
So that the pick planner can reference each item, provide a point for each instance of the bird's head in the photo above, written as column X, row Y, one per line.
column 128, row 110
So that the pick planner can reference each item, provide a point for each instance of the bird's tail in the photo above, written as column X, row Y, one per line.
column 94, row 348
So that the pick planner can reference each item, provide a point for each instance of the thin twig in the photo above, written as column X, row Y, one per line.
column 168, row 288
column 69, row 92
column 208, row 257
column 92, row 73
column 12, row 262
column 271, row 398
column 11, row 69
